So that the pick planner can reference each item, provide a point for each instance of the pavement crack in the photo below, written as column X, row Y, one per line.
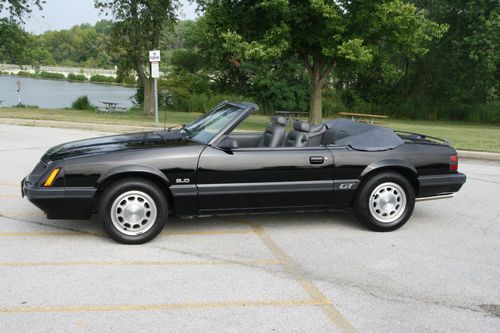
column 402, row 298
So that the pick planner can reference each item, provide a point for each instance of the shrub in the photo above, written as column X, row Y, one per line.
column 49, row 75
column 82, row 103
column 102, row 78
column 202, row 102
column 24, row 106
column 25, row 74
column 76, row 77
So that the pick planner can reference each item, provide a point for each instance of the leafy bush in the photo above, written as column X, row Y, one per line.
column 202, row 102
column 126, row 79
column 82, row 103
column 102, row 78
column 483, row 113
column 25, row 74
column 49, row 75
column 25, row 106
column 76, row 77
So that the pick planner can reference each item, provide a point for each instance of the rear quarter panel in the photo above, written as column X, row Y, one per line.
column 353, row 165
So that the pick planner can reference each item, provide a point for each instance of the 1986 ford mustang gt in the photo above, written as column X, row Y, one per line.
column 208, row 167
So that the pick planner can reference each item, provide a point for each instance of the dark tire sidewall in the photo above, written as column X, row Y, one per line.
column 116, row 189
column 361, row 204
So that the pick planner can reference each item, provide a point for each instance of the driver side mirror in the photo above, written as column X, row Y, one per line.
column 228, row 144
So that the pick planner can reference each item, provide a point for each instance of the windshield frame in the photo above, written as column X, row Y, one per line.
column 246, row 110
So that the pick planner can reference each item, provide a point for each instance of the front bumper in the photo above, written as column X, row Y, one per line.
column 60, row 202
column 438, row 185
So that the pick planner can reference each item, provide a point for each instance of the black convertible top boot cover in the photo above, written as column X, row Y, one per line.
column 361, row 136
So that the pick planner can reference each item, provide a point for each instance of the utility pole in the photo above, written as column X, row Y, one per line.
column 154, row 59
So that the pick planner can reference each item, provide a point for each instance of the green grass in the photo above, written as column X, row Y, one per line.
column 462, row 135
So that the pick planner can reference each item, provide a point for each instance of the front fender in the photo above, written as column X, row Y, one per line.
column 132, row 169
column 389, row 163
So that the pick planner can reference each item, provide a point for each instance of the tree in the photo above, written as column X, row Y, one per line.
column 469, row 71
column 13, row 42
column 137, row 30
column 327, row 35
column 18, row 8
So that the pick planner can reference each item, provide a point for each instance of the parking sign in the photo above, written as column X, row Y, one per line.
column 154, row 56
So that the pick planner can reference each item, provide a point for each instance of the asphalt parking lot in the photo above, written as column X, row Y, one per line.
column 314, row 272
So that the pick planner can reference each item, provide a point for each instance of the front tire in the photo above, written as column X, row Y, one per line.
column 133, row 211
column 385, row 202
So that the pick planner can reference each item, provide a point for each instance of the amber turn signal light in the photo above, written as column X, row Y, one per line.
column 52, row 177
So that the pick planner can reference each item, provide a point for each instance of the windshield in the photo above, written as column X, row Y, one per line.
column 204, row 128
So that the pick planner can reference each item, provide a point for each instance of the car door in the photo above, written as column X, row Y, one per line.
column 260, row 179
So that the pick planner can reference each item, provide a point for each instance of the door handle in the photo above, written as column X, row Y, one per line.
column 316, row 159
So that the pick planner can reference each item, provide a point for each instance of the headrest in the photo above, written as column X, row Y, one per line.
column 278, row 120
column 301, row 126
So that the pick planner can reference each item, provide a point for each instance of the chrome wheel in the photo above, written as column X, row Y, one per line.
column 133, row 213
column 387, row 202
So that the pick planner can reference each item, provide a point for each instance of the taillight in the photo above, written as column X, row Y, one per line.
column 453, row 163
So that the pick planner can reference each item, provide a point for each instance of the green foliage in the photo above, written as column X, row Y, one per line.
column 18, row 9
column 328, row 36
column 54, row 76
column 102, row 78
column 25, row 106
column 82, row 45
column 202, row 102
column 76, row 77
column 15, row 43
column 418, row 110
column 25, row 74
column 137, row 30
column 186, row 59
column 82, row 103
column 383, row 57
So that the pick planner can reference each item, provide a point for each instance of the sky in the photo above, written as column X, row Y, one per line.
column 63, row 14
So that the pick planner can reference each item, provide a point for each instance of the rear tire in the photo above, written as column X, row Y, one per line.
column 133, row 211
column 385, row 202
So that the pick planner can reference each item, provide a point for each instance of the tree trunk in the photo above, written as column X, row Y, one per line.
column 148, row 106
column 316, row 102
column 148, row 84
column 319, row 69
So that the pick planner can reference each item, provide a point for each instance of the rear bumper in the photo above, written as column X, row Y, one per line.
column 438, row 185
column 60, row 202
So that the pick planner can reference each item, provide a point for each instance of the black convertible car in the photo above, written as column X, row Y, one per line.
column 208, row 167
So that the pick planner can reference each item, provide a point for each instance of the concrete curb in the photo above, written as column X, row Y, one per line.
column 478, row 155
column 128, row 129
column 74, row 125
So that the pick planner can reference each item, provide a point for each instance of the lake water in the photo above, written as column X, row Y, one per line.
column 53, row 94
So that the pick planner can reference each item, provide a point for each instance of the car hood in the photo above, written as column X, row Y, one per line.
column 115, row 143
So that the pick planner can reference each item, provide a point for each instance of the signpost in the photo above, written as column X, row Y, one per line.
column 18, row 84
column 154, row 59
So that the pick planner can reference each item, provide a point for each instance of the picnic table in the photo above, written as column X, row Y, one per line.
column 363, row 115
column 111, row 107
column 293, row 114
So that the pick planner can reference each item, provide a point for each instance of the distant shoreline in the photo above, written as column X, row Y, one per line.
column 71, row 81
